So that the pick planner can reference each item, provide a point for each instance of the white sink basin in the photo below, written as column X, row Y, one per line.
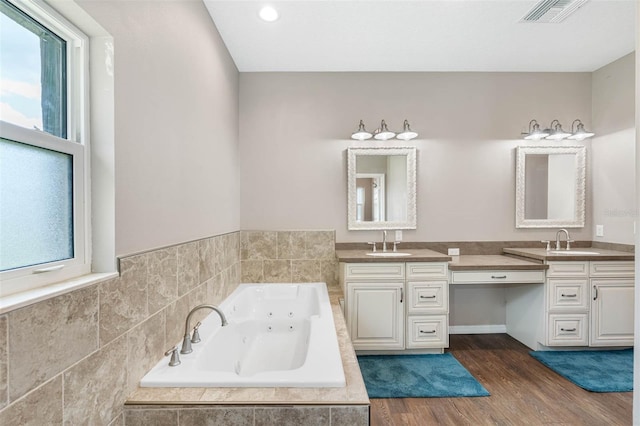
column 573, row 252
column 388, row 254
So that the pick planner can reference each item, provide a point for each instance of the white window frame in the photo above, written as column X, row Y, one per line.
column 76, row 144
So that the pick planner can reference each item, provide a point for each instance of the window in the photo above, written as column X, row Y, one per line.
column 44, row 219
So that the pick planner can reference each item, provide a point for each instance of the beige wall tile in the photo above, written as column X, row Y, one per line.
column 176, row 313
column 47, row 337
column 4, row 361
column 118, row 421
column 228, row 416
column 162, row 270
column 329, row 272
column 292, row 416
column 291, row 245
column 320, row 244
column 123, row 301
column 94, row 389
column 188, row 267
column 251, row 271
column 350, row 416
column 257, row 245
column 146, row 345
column 206, row 258
column 231, row 249
column 41, row 407
column 136, row 417
column 277, row 271
column 305, row 271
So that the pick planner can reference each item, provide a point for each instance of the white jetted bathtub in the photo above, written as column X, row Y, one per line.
column 279, row 335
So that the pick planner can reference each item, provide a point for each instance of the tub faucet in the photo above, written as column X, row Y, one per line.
column 186, row 342
column 566, row 233
column 384, row 240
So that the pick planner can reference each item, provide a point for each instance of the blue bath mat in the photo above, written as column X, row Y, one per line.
column 595, row 371
column 417, row 376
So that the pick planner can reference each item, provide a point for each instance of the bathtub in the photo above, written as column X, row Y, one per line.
column 279, row 335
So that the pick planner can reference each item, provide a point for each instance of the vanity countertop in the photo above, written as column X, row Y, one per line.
column 493, row 262
column 417, row 255
column 541, row 254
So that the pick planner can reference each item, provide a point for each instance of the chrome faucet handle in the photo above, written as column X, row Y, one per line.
column 195, row 337
column 548, row 243
column 395, row 246
column 569, row 244
column 175, row 356
column 372, row 244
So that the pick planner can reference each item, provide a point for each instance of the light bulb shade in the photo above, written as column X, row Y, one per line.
column 407, row 134
column 557, row 133
column 534, row 132
column 383, row 134
column 361, row 134
column 580, row 133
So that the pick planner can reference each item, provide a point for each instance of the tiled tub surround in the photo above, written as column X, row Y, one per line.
column 348, row 405
column 73, row 359
column 288, row 256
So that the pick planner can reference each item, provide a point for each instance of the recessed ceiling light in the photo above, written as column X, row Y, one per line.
column 268, row 14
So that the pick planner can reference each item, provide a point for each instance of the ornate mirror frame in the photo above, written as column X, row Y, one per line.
column 352, row 155
column 580, row 178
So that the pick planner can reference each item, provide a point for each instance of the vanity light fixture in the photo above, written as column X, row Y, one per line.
column 556, row 132
column 580, row 133
column 383, row 133
column 535, row 133
column 361, row 134
column 407, row 134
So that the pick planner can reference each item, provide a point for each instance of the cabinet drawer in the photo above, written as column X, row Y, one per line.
column 483, row 277
column 568, row 330
column 568, row 269
column 568, row 294
column 426, row 270
column 612, row 269
column 428, row 297
column 430, row 331
column 369, row 271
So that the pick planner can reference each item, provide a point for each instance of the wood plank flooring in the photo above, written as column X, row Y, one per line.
column 523, row 392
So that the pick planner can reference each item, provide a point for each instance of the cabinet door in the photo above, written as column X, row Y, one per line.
column 375, row 315
column 612, row 312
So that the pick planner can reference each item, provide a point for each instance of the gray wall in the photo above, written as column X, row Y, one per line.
column 176, row 123
column 295, row 128
column 613, row 151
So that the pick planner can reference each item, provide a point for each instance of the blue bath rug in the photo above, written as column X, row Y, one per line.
column 595, row 371
column 417, row 376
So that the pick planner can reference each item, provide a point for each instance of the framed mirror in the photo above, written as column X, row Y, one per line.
column 381, row 188
column 550, row 187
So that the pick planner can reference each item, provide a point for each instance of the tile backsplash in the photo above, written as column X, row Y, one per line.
column 288, row 256
column 77, row 356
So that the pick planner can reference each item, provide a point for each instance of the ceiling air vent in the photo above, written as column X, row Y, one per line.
column 552, row 11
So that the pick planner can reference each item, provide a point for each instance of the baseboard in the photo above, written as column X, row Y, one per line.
column 477, row 329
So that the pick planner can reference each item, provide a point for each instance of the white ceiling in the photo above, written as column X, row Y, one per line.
column 422, row 35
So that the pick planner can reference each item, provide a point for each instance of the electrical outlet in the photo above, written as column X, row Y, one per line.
column 453, row 252
column 398, row 235
column 599, row 230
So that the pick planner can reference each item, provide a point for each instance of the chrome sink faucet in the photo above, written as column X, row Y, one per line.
column 569, row 241
column 186, row 342
column 384, row 241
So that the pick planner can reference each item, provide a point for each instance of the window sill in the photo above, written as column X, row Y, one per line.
column 20, row 300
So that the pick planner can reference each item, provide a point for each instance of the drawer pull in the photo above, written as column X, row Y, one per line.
column 496, row 277
column 427, row 297
column 427, row 332
column 568, row 329
column 569, row 295
column 595, row 292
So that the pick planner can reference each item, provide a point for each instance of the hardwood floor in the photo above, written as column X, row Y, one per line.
column 523, row 392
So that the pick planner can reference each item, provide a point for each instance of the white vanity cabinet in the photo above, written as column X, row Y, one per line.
column 396, row 306
column 589, row 303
